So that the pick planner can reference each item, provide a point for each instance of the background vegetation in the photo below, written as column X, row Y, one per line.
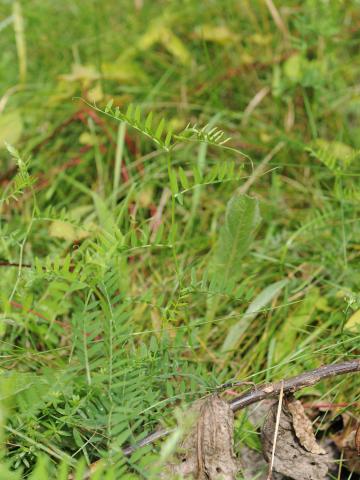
column 135, row 274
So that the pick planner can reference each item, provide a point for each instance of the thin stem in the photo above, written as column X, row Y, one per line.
column 22, row 246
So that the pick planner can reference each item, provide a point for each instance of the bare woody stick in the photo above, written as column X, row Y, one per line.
column 268, row 390
column 306, row 379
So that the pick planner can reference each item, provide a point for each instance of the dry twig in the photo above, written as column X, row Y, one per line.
column 268, row 390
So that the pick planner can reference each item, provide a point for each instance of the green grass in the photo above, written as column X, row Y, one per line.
column 122, row 273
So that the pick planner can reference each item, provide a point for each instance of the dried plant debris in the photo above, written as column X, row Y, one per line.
column 207, row 451
column 303, row 428
column 297, row 454
column 254, row 466
column 348, row 441
column 257, row 412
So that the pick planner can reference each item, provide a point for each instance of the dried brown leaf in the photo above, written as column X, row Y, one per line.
column 303, row 428
column 357, row 439
column 292, row 459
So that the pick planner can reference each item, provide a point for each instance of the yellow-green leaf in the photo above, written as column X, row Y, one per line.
column 294, row 68
column 65, row 230
column 353, row 324
column 216, row 33
column 11, row 127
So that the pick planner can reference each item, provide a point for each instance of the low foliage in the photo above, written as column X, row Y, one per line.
column 146, row 260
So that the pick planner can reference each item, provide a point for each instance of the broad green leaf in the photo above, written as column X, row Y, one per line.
column 261, row 301
column 241, row 219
